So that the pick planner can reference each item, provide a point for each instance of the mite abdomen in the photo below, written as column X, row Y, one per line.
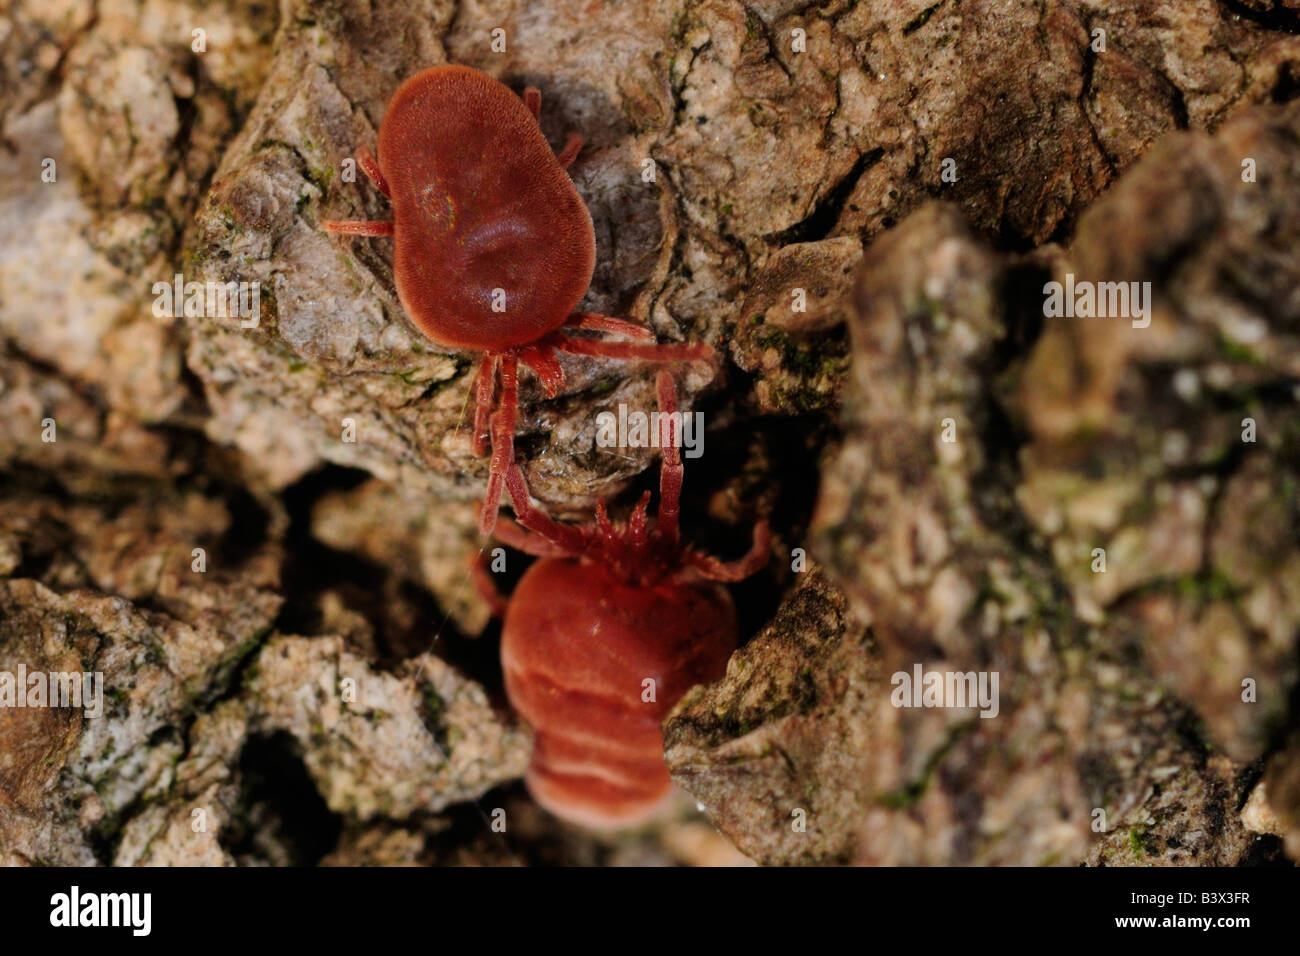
column 594, row 665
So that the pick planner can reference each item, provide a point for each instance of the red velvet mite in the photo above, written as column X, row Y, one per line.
column 606, row 609
column 493, row 246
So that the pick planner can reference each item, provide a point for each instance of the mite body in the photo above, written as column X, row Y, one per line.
column 602, row 637
column 594, row 665
column 493, row 246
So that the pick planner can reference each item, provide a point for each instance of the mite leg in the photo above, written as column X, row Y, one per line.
column 606, row 323
column 503, row 442
column 757, row 558
column 567, row 538
column 671, row 472
column 567, row 155
column 366, row 160
column 484, row 390
column 635, row 351
column 358, row 227
column 521, row 539
column 486, row 585
column 542, row 362
column 604, row 527
column 636, row 522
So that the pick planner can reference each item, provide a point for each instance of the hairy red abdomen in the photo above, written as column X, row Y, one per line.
column 577, row 647
column 480, row 203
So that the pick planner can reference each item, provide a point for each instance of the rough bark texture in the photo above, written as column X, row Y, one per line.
column 733, row 168
column 978, row 474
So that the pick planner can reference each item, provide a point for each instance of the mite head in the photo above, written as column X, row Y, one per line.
column 638, row 552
